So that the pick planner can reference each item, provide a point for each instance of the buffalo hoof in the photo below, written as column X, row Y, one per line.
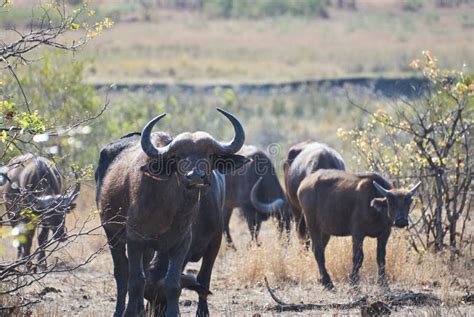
column 384, row 285
column 202, row 311
column 156, row 310
column 355, row 287
column 382, row 282
column 42, row 267
column 253, row 244
column 134, row 314
column 231, row 246
column 328, row 285
column 354, row 280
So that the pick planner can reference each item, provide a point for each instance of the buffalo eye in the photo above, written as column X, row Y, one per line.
column 154, row 167
column 390, row 199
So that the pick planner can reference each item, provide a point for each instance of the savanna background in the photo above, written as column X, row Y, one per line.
column 187, row 57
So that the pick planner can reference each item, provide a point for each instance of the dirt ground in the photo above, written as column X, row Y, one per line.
column 237, row 283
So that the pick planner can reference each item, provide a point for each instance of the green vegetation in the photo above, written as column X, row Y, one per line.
column 265, row 8
column 59, row 100
column 413, row 5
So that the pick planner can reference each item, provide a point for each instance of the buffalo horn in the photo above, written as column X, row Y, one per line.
column 384, row 192
column 414, row 188
column 69, row 198
column 147, row 146
column 239, row 137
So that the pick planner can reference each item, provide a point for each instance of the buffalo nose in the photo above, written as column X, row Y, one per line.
column 195, row 177
column 401, row 223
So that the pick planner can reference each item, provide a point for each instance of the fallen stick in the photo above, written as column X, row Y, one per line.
column 282, row 306
column 380, row 305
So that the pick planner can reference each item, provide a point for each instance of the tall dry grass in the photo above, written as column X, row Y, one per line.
column 283, row 262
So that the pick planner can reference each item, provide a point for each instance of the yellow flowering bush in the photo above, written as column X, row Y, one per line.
column 429, row 138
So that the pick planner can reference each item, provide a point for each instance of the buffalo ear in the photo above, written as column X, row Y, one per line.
column 226, row 164
column 379, row 204
column 159, row 169
column 71, row 208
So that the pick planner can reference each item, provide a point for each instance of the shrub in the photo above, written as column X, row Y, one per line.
column 428, row 139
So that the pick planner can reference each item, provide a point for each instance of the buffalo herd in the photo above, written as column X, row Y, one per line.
column 166, row 201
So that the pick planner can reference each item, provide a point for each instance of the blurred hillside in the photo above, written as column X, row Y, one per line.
column 269, row 40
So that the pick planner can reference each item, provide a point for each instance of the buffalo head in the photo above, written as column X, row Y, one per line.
column 52, row 209
column 397, row 202
column 192, row 156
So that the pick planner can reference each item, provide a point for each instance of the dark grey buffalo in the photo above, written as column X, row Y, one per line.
column 302, row 160
column 165, row 194
column 34, row 183
column 256, row 192
column 359, row 205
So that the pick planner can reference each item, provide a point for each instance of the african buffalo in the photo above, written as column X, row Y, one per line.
column 338, row 203
column 256, row 191
column 165, row 194
column 34, row 182
column 303, row 159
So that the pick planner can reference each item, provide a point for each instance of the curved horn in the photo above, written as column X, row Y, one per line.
column 266, row 208
column 414, row 188
column 239, row 137
column 384, row 192
column 147, row 145
column 41, row 203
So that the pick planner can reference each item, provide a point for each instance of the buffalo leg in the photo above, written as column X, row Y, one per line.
column 20, row 246
column 158, row 268
column 27, row 247
column 42, row 239
column 136, row 279
column 254, row 223
column 19, row 251
column 357, row 258
column 227, row 213
column 119, row 258
column 204, row 276
column 319, row 246
column 297, row 217
column 172, row 285
column 381, row 247
column 284, row 226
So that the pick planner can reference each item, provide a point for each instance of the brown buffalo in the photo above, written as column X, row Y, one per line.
column 165, row 194
column 33, row 182
column 338, row 203
column 303, row 159
column 256, row 192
